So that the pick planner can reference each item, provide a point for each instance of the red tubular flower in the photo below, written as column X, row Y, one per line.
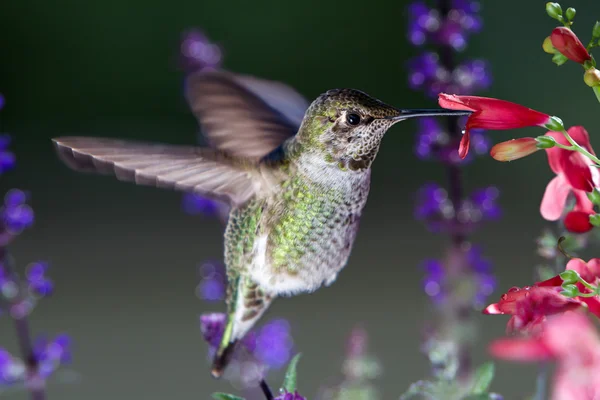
column 572, row 341
column 568, row 44
column 491, row 113
column 529, row 306
column 574, row 175
column 514, row 149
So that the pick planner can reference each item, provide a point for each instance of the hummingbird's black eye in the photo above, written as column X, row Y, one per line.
column 353, row 119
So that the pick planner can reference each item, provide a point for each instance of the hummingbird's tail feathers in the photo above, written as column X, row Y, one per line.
column 242, row 115
column 187, row 168
column 247, row 302
column 222, row 359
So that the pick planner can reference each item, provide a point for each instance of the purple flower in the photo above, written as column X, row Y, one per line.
column 213, row 281
column 480, row 278
column 433, row 283
column 427, row 25
column 2, row 101
column 39, row 284
column 16, row 214
column 271, row 345
column 11, row 369
column 199, row 53
column 426, row 73
column 195, row 204
column 7, row 159
column 290, row 396
column 435, row 143
column 437, row 210
column 274, row 344
column 50, row 354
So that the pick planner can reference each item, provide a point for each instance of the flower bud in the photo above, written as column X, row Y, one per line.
column 570, row 290
column 554, row 10
column 545, row 142
column 565, row 41
column 596, row 30
column 547, row 46
column 570, row 13
column 514, row 149
column 595, row 219
column 555, row 124
column 591, row 77
column 569, row 277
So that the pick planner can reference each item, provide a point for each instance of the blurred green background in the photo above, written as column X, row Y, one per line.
column 124, row 258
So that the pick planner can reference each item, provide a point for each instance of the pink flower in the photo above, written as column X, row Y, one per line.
column 530, row 306
column 574, row 175
column 571, row 340
column 568, row 44
column 514, row 149
column 491, row 113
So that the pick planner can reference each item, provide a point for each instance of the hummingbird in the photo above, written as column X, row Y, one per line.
column 295, row 175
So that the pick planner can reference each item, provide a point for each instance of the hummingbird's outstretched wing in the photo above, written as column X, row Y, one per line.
column 187, row 168
column 242, row 115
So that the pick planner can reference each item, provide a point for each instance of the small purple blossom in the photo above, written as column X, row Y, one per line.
column 433, row 282
column 290, row 396
column 198, row 52
column 480, row 278
column 428, row 26
column 51, row 354
column 426, row 73
column 274, row 343
column 12, row 369
column 436, row 208
column 36, row 278
column 195, row 204
column 271, row 345
column 7, row 158
column 16, row 214
column 213, row 281
column 2, row 101
column 434, row 142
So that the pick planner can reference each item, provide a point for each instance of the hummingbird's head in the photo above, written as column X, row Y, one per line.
column 347, row 125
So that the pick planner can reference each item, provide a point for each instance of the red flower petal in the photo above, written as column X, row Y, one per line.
column 555, row 198
column 465, row 141
column 557, row 155
column 489, row 113
column 576, row 168
column 492, row 113
column 594, row 266
column 514, row 149
column 582, row 202
column 578, row 222
column 520, row 350
column 564, row 40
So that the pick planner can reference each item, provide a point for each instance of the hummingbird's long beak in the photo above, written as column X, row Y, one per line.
column 405, row 114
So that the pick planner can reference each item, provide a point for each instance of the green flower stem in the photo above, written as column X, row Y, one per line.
column 575, row 147
column 589, row 286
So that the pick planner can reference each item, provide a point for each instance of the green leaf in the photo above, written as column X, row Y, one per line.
column 289, row 382
column 226, row 396
column 482, row 378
